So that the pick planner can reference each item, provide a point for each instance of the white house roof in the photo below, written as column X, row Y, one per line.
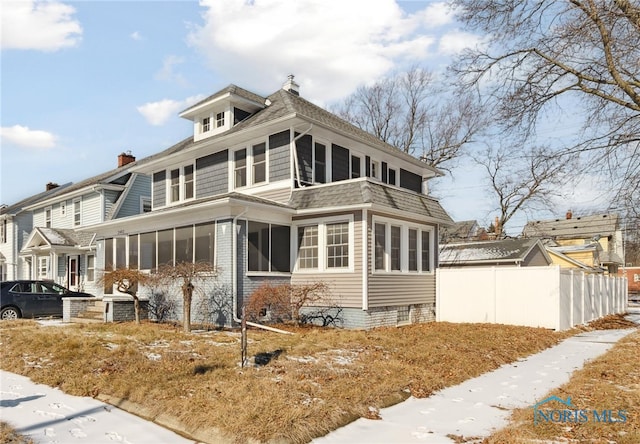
column 490, row 252
column 576, row 227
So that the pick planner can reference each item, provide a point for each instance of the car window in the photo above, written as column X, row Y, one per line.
column 22, row 287
column 52, row 288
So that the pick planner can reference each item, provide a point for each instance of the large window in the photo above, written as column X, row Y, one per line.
column 396, row 248
column 400, row 247
column 205, row 235
column 184, row 244
column 121, row 252
column 308, row 247
column 181, row 184
column 165, row 247
column 326, row 245
column 338, row 245
column 133, row 251
column 148, row 251
column 268, row 247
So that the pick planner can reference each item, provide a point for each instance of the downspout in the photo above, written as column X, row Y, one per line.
column 365, row 261
column 234, row 277
column 295, row 153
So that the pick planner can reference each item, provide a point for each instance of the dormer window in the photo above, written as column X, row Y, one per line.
column 206, row 124
column 219, row 120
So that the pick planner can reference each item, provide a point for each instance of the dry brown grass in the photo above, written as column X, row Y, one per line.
column 8, row 435
column 611, row 382
column 323, row 378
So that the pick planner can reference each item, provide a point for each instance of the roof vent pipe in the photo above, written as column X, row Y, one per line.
column 569, row 214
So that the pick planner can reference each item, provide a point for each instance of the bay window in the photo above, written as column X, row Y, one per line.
column 400, row 247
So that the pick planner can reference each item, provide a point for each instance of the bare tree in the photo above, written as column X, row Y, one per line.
column 409, row 111
column 522, row 182
column 126, row 280
column 186, row 273
column 576, row 56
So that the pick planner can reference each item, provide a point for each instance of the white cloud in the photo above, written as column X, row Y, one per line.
column 167, row 72
column 28, row 138
column 46, row 26
column 158, row 113
column 135, row 35
column 456, row 41
column 332, row 46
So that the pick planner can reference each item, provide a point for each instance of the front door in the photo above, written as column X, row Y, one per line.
column 73, row 269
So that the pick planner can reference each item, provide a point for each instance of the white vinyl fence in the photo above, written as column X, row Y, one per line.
column 548, row 297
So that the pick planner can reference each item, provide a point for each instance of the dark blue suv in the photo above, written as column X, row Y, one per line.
column 30, row 299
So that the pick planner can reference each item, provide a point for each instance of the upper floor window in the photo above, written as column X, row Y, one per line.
column 240, row 168
column 355, row 167
column 260, row 163
column 320, row 163
column 219, row 120
column 181, row 184
column 375, row 169
column 77, row 214
column 47, row 217
column 250, row 165
column 145, row 204
column 206, row 124
column 391, row 177
column 3, row 231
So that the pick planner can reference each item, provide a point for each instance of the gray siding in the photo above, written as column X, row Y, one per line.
column 535, row 259
column 141, row 187
column 159, row 189
column 279, row 157
column 398, row 289
column 110, row 197
column 346, row 288
column 212, row 174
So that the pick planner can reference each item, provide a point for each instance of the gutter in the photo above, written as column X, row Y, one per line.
column 234, row 277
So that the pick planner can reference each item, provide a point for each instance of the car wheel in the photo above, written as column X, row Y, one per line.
column 10, row 313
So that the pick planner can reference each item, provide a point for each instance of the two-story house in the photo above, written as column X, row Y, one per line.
column 588, row 242
column 16, row 222
column 274, row 188
column 55, row 249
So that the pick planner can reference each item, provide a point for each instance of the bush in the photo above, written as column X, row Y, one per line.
column 285, row 303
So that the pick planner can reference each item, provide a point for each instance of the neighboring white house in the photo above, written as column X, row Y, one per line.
column 49, row 245
column 276, row 189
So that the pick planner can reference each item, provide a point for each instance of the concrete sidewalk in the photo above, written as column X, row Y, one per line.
column 480, row 405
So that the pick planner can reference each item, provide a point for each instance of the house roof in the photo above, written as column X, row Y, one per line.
column 284, row 103
column 489, row 252
column 462, row 230
column 58, row 237
column 13, row 209
column 576, row 227
column 366, row 191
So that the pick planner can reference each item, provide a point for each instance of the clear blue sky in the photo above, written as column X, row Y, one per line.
column 84, row 81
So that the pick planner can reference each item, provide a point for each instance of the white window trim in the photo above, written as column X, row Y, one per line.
column 250, row 179
column 79, row 202
column 404, row 246
column 43, row 260
column 48, row 221
column 322, row 244
column 181, row 186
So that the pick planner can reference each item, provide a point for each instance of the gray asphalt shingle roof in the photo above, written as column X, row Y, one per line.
column 506, row 250
column 64, row 237
column 576, row 227
column 364, row 191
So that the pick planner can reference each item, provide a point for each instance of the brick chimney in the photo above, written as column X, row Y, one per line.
column 50, row 186
column 125, row 158
column 291, row 86
column 569, row 214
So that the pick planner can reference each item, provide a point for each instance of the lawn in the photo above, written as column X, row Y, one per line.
column 317, row 379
